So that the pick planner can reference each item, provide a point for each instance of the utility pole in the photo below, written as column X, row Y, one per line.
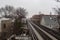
column 50, row 18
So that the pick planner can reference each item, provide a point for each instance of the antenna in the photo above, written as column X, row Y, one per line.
column 50, row 13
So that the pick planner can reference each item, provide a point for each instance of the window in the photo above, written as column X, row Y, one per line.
column 4, row 25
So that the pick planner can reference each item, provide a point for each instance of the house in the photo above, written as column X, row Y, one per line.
column 6, row 28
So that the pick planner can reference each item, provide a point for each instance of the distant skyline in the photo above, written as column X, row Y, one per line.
column 32, row 6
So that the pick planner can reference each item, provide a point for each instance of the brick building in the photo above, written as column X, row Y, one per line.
column 37, row 19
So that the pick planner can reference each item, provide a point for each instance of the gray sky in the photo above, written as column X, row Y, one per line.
column 32, row 6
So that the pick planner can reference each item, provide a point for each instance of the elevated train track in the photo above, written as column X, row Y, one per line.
column 42, row 33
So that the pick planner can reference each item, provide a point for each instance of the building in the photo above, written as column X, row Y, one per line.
column 37, row 19
column 6, row 28
column 50, row 21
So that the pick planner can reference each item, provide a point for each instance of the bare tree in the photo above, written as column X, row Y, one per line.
column 57, row 10
column 58, row 17
column 21, row 12
column 58, row 0
column 8, row 11
column 2, row 10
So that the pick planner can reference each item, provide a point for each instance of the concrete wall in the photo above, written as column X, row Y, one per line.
column 50, row 23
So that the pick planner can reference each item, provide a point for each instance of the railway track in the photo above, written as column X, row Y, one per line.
column 46, row 33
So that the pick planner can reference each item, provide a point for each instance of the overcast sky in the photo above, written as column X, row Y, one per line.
column 32, row 6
